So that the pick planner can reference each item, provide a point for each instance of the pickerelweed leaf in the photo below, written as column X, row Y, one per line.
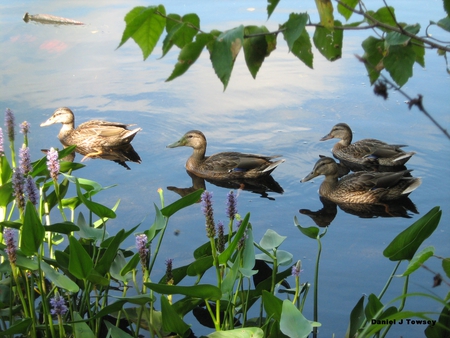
column 80, row 263
column 405, row 244
column 20, row 327
column 223, row 52
column 271, row 240
column 373, row 306
column 145, row 26
column 292, row 322
column 203, row 291
column 58, row 279
column 356, row 318
column 62, row 228
column 183, row 202
column 32, row 231
column 417, row 261
column 446, row 266
column 245, row 332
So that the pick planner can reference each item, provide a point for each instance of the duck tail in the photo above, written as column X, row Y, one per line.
column 416, row 182
column 404, row 157
column 272, row 166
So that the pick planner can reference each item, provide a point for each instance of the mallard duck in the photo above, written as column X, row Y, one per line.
column 366, row 152
column 363, row 186
column 91, row 137
column 226, row 165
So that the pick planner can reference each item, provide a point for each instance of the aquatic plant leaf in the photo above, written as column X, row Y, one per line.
column 294, row 28
column 32, row 231
column 199, row 266
column 372, row 308
column 131, row 265
column 145, row 26
column 399, row 63
column 283, row 257
column 181, row 203
column 6, row 171
column 226, row 254
column 356, row 318
column 246, row 332
column 344, row 11
column 248, row 255
column 267, row 283
column 159, row 224
column 418, row 260
column 104, row 263
column 115, row 332
column 442, row 330
column 329, row 42
column 60, row 280
column 292, row 322
column 311, row 232
column 272, row 305
column 231, row 275
column 271, row 5
column 19, row 327
column 118, row 266
column 97, row 208
column 446, row 266
column 81, row 329
column 26, row 263
column 62, row 228
column 88, row 232
column 80, row 263
column 6, row 194
column 271, row 240
column 406, row 243
column 203, row 291
column 223, row 52
column 257, row 48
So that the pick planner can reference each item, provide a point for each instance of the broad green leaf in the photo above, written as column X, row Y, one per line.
column 292, row 322
column 373, row 56
column 20, row 326
column 118, row 266
column 294, row 28
column 186, row 305
column 329, row 42
column 159, row 224
column 440, row 330
column 97, row 208
column 302, row 49
column 311, row 232
column 229, row 251
column 203, row 291
column 96, row 279
column 189, row 54
column 325, row 9
column 115, row 332
column 385, row 15
column 419, row 50
column 272, row 304
column 248, row 256
column 283, row 257
column 80, row 263
column 199, row 266
column 394, row 38
column 223, row 52
column 373, row 307
column 356, row 318
column 271, row 240
column 145, row 25
column 246, row 332
column 418, row 260
column 62, row 228
column 58, row 279
column 444, row 23
column 104, row 263
column 117, row 306
column 131, row 265
column 87, row 231
column 257, row 48
column 182, row 32
column 267, row 283
column 81, row 329
column 27, row 263
column 271, row 5
column 344, row 11
column 6, row 171
column 6, row 194
column 446, row 266
column 231, row 276
column 183, row 202
column 32, row 231
column 405, row 244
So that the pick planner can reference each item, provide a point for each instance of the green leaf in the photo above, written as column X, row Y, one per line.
column 302, row 49
column 356, row 318
column 60, row 280
column 294, row 28
column 104, row 263
column 115, row 332
column 200, row 265
column 248, row 256
column 271, row 5
column 88, row 232
column 395, row 38
column 181, row 33
column 189, row 54
column 293, row 323
column 6, row 171
column 444, row 23
column 325, row 9
column 223, row 52
column 183, row 202
column 419, row 50
column 311, row 232
column 271, row 240
column 131, row 265
column 27, row 263
column 418, row 260
column 329, row 42
column 283, row 257
column 399, row 63
column 6, row 193
column 373, row 307
column 385, row 15
column 405, row 244
column 344, row 11
column 373, row 56
column 272, row 304
column 19, row 327
column 446, row 266
column 118, row 266
column 62, row 228
column 145, row 26
column 226, row 254
column 203, row 291
column 246, row 332
column 441, row 328
column 32, row 231
column 81, row 329
column 257, row 48
column 230, row 278
column 80, row 263
column 97, row 208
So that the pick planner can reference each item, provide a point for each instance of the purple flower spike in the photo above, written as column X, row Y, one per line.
column 25, row 128
column 58, row 304
column 141, row 245
column 169, row 274
column 231, row 205
column 209, row 214
column 52, row 163
column 9, row 123
column 10, row 242
column 18, row 182
column 2, row 150
column 31, row 190
column 296, row 269
column 25, row 161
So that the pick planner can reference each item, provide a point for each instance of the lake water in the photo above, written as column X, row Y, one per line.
column 286, row 110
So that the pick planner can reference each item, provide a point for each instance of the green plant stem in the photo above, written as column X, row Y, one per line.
column 60, row 206
column 316, row 286
column 44, row 294
column 388, row 282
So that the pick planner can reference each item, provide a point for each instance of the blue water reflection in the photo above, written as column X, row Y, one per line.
column 286, row 110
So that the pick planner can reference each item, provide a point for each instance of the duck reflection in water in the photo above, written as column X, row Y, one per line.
column 324, row 217
column 262, row 185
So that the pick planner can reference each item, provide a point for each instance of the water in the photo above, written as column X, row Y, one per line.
column 286, row 110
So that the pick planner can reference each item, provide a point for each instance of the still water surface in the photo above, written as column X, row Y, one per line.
column 285, row 111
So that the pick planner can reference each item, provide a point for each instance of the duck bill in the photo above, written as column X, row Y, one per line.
column 47, row 123
column 175, row 144
column 326, row 137
column 310, row 176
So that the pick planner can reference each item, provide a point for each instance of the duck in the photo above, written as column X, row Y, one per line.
column 91, row 137
column 363, row 187
column 224, row 165
column 366, row 153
